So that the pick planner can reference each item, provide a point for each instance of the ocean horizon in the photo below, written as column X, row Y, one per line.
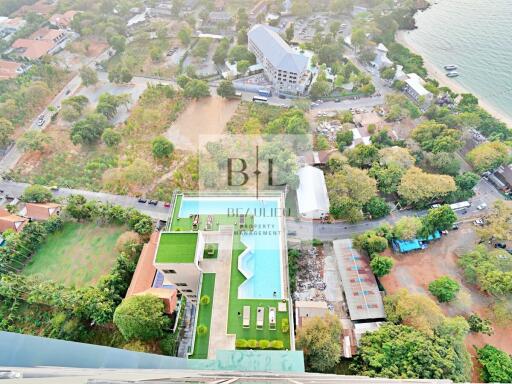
column 477, row 37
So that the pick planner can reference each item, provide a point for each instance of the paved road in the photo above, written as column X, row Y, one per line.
column 14, row 154
column 158, row 212
column 485, row 193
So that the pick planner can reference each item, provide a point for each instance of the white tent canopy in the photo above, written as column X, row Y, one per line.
column 312, row 195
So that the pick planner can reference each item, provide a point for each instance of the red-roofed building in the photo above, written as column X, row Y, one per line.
column 32, row 49
column 63, row 20
column 10, row 221
column 10, row 69
column 44, row 41
column 40, row 211
column 142, row 280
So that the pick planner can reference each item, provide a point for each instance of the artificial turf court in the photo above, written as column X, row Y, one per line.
column 77, row 255
column 204, row 317
column 176, row 248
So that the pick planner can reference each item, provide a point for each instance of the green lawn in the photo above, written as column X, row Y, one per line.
column 78, row 255
column 176, row 248
column 204, row 317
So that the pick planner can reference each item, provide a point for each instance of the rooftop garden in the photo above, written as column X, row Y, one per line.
column 204, row 317
column 176, row 248
column 247, row 338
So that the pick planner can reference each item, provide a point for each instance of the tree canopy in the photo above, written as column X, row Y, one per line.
column 89, row 130
column 496, row 365
column 444, row 288
column 141, row 317
column 36, row 194
column 488, row 156
column 319, row 338
column 418, row 186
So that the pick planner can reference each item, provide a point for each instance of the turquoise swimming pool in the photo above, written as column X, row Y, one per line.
column 261, row 263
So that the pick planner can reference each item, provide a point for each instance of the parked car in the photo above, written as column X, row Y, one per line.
column 478, row 222
column 153, row 202
column 40, row 122
column 500, row 245
column 167, row 204
column 282, row 96
column 68, row 91
column 481, row 206
column 455, row 226
column 54, row 188
column 292, row 233
column 337, row 100
column 142, row 200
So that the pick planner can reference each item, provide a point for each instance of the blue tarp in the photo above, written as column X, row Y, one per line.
column 414, row 244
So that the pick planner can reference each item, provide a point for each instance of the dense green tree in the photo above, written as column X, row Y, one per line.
column 371, row 242
column 89, row 130
column 33, row 141
column 400, row 351
column 479, row 325
column 111, row 138
column 120, row 74
column 496, row 365
column 440, row 218
column 444, row 288
column 388, row 177
column 88, row 76
column 161, row 147
column 221, row 52
column 319, row 89
column 36, row 194
column 141, row 317
column 226, row 89
column 319, row 339
column 196, row 89
column 108, row 104
column 344, row 139
column 185, row 35
column 239, row 53
column 408, row 227
column 418, row 187
column 290, row 32
column 488, row 156
column 435, row 137
column 381, row 265
column 377, row 207
column 362, row 156
column 118, row 42
column 6, row 130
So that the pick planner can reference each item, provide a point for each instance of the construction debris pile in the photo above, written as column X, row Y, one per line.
column 310, row 275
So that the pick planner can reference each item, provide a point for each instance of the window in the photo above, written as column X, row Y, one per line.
column 187, row 290
column 170, row 271
column 181, row 284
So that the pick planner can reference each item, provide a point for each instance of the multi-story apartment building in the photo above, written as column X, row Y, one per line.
column 285, row 68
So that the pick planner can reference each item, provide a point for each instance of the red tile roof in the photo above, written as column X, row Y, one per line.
column 63, row 19
column 40, row 211
column 10, row 221
column 32, row 49
column 144, row 274
column 8, row 69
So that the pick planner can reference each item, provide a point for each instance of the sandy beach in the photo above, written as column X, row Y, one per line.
column 439, row 74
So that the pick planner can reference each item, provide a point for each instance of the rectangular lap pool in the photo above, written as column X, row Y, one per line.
column 261, row 263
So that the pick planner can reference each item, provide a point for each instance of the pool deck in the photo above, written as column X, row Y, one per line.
column 221, row 266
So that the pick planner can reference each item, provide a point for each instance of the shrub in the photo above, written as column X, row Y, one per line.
column 477, row 324
column 264, row 344
column 317, row 243
column 285, row 325
column 496, row 365
column 241, row 343
column 141, row 317
column 252, row 343
column 205, row 300
column 168, row 344
column 276, row 344
column 444, row 289
column 128, row 243
column 36, row 194
column 137, row 346
column 381, row 265
column 161, row 147
column 202, row 330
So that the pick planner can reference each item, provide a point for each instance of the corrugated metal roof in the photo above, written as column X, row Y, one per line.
column 312, row 192
column 362, row 293
column 275, row 49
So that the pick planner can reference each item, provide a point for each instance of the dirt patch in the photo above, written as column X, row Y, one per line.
column 414, row 271
column 207, row 116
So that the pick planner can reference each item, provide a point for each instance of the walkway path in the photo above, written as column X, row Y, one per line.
column 221, row 266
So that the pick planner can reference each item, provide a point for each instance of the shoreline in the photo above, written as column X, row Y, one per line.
column 439, row 75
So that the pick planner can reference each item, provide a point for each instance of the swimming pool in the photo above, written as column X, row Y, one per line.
column 261, row 263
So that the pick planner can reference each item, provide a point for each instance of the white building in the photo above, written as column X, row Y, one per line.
column 312, row 197
column 286, row 69
column 381, row 59
column 414, row 87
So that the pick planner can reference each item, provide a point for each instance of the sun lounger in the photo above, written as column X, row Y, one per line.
column 195, row 222
column 260, row 315
column 272, row 318
column 246, row 316
column 242, row 221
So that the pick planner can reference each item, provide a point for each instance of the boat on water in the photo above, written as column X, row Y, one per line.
column 452, row 74
column 450, row 67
